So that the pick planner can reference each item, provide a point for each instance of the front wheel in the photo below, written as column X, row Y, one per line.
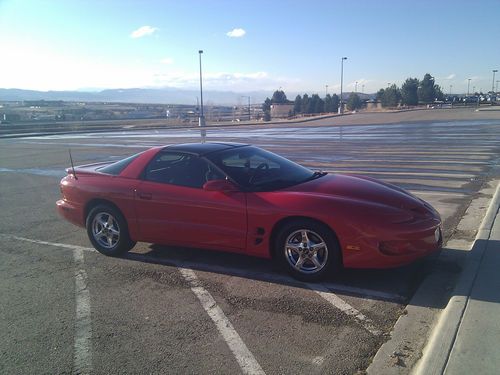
column 307, row 250
column 107, row 230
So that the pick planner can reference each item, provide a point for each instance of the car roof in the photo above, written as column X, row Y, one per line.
column 201, row 149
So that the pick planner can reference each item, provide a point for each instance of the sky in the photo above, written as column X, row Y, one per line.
column 247, row 45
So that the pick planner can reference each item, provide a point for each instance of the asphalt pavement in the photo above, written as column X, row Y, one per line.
column 65, row 308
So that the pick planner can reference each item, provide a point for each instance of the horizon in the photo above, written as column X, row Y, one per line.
column 166, row 95
column 51, row 45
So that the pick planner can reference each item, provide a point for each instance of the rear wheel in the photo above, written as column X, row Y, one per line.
column 307, row 250
column 107, row 230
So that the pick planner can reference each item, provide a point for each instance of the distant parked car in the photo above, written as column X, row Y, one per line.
column 240, row 198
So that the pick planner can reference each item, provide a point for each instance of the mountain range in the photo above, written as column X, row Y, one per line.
column 166, row 95
column 138, row 95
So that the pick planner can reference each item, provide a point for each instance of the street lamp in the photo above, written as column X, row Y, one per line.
column 356, row 87
column 497, row 86
column 362, row 89
column 493, row 82
column 246, row 96
column 341, row 108
column 201, row 120
column 468, row 86
column 326, row 90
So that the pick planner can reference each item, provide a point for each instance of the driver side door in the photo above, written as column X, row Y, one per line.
column 173, row 208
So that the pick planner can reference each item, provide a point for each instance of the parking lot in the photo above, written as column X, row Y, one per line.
column 66, row 308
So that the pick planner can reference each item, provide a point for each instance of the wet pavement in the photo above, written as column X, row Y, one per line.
column 145, row 317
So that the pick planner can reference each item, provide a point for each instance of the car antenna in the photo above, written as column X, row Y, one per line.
column 72, row 166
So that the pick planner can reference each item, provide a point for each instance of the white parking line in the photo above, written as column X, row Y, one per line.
column 362, row 292
column 343, row 306
column 83, row 324
column 56, row 244
column 246, row 360
column 366, row 293
column 83, row 363
column 324, row 290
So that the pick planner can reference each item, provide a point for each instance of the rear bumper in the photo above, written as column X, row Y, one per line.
column 70, row 212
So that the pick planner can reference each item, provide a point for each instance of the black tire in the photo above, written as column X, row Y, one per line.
column 307, row 259
column 108, row 231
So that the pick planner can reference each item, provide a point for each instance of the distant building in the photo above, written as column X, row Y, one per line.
column 281, row 110
column 373, row 105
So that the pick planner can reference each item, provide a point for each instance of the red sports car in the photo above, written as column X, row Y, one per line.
column 240, row 198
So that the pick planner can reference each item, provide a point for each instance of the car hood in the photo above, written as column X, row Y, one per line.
column 361, row 189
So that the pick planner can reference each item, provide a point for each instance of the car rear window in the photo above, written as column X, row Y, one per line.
column 117, row 167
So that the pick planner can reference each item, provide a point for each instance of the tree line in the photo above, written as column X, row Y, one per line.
column 303, row 104
column 412, row 92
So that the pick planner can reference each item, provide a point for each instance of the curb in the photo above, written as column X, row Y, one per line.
column 438, row 348
column 411, row 335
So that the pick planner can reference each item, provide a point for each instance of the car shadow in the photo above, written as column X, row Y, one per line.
column 396, row 284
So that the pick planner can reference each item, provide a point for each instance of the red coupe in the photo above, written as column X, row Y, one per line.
column 240, row 198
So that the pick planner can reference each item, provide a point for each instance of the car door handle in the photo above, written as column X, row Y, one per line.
column 146, row 196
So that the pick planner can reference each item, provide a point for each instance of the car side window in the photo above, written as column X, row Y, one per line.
column 249, row 167
column 181, row 169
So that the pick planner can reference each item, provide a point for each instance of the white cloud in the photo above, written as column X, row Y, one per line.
column 167, row 61
column 41, row 68
column 451, row 76
column 143, row 31
column 220, row 80
column 236, row 33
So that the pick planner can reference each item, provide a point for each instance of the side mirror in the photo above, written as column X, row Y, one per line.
column 224, row 186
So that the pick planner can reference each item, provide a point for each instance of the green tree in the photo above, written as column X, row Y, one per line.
column 328, row 103
column 428, row 91
column 354, row 102
column 297, row 104
column 305, row 104
column 279, row 97
column 267, row 105
column 380, row 95
column 335, row 103
column 390, row 97
column 317, row 104
column 409, row 91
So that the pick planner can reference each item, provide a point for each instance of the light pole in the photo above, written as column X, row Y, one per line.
column 493, row 82
column 341, row 108
column 362, row 89
column 356, row 87
column 246, row 96
column 450, row 89
column 326, row 90
column 468, row 86
column 497, row 86
column 201, row 121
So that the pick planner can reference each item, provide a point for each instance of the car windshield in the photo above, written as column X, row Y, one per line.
column 259, row 170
